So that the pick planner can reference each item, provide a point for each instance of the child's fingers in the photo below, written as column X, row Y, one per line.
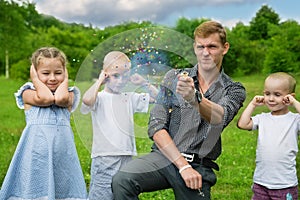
column 259, row 99
column 33, row 72
column 66, row 73
column 288, row 99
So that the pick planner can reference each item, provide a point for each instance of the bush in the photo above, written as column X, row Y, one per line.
column 20, row 70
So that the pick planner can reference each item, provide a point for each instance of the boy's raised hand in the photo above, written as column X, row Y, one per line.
column 138, row 79
column 288, row 99
column 102, row 76
column 258, row 101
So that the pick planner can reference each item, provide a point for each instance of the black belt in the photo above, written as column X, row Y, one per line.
column 192, row 157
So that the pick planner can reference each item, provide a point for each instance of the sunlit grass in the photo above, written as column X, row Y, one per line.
column 237, row 161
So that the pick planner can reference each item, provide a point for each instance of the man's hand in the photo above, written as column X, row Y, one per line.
column 185, row 87
column 192, row 178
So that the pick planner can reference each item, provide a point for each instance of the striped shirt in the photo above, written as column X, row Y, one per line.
column 189, row 131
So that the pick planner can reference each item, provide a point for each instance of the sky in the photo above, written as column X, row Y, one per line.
column 102, row 13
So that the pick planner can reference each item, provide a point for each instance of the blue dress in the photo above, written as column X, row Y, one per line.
column 45, row 165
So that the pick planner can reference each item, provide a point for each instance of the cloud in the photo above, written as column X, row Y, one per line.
column 102, row 13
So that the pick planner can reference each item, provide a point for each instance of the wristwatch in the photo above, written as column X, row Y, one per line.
column 198, row 96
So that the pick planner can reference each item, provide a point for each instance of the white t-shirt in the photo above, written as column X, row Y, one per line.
column 113, row 123
column 277, row 149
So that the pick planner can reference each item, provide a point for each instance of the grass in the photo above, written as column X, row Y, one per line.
column 237, row 161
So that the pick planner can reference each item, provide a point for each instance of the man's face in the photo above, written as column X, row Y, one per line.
column 210, row 51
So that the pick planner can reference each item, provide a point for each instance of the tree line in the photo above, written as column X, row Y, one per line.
column 266, row 45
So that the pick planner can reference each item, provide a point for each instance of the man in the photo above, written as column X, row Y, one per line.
column 193, row 107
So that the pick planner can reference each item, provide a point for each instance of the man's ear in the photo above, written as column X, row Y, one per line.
column 226, row 48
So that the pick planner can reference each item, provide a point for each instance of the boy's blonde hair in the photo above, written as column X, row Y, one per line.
column 113, row 58
column 283, row 76
column 48, row 52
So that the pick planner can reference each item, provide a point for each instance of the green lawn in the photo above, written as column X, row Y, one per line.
column 236, row 162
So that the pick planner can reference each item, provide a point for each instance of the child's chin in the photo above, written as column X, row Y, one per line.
column 53, row 89
column 118, row 89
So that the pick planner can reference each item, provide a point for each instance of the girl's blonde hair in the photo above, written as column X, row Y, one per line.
column 48, row 52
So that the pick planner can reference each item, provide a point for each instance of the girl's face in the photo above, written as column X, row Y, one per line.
column 274, row 92
column 51, row 72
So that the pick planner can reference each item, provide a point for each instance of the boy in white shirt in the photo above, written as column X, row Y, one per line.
column 112, row 118
column 275, row 175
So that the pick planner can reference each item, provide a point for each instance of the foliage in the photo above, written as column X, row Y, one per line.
column 283, row 49
column 20, row 70
column 187, row 26
column 259, row 25
column 266, row 45
column 243, row 57
column 13, row 31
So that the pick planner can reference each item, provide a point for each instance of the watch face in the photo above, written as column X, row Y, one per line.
column 198, row 96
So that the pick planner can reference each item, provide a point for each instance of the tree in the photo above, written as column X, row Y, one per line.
column 13, row 32
column 244, row 56
column 283, row 48
column 187, row 27
column 259, row 25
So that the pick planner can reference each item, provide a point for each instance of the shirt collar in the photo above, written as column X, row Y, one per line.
column 194, row 75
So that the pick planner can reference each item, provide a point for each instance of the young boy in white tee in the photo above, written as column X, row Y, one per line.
column 112, row 119
column 275, row 175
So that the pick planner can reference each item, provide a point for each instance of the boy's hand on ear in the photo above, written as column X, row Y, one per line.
column 258, row 100
column 103, row 76
column 288, row 99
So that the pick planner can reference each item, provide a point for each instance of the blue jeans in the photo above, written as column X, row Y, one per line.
column 102, row 170
column 154, row 172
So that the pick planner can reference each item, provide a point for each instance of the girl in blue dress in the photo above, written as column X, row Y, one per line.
column 45, row 165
